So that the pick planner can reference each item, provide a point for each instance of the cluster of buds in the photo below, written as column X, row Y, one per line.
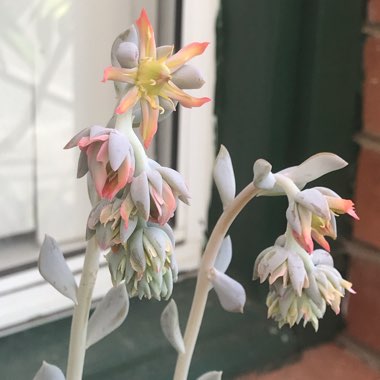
column 303, row 281
column 147, row 263
column 135, row 196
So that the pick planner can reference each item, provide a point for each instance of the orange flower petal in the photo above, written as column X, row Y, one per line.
column 119, row 74
column 321, row 240
column 170, row 90
column 305, row 241
column 148, row 125
column 342, row 206
column 146, row 35
column 185, row 54
column 128, row 101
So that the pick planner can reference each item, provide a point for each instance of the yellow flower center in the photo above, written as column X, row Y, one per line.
column 151, row 76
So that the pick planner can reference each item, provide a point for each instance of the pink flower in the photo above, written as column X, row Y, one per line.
column 154, row 194
column 154, row 77
column 311, row 215
column 109, row 157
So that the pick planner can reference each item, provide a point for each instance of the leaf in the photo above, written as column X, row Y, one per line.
column 297, row 272
column 224, row 176
column 82, row 164
column 230, row 293
column 315, row 201
column 108, row 315
column 170, row 326
column 212, row 375
column 263, row 178
column 125, row 233
column 118, row 145
column 136, row 249
column 129, row 35
column 321, row 257
column 140, row 194
column 54, row 269
column 175, row 181
column 314, row 167
column 224, row 257
column 49, row 372
column 116, row 265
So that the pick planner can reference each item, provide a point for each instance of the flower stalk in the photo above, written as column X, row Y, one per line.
column 203, row 283
column 78, row 334
column 124, row 125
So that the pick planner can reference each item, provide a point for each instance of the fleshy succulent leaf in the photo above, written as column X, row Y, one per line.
column 108, row 315
column 212, row 375
column 314, row 167
column 224, row 257
column 170, row 326
column 54, row 269
column 231, row 294
column 49, row 372
column 224, row 176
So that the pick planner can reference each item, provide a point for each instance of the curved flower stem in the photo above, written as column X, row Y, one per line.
column 202, row 287
column 79, row 323
column 124, row 124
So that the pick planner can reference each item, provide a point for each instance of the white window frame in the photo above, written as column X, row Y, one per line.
column 26, row 300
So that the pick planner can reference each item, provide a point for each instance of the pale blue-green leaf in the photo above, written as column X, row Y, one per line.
column 104, row 235
column 54, row 269
column 170, row 326
column 263, row 178
column 108, row 315
column 140, row 194
column 92, row 193
column 212, row 375
column 97, row 130
column 224, row 257
column 314, row 167
column 82, row 164
column 175, row 181
column 129, row 35
column 116, row 265
column 125, row 233
column 117, row 149
column 74, row 141
column 224, row 176
column 321, row 257
column 136, row 249
column 297, row 272
column 230, row 293
column 155, row 179
column 315, row 201
column 49, row 372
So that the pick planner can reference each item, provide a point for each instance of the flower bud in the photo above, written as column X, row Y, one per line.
column 145, row 263
column 127, row 54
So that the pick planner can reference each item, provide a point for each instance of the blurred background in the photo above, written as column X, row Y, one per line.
column 288, row 80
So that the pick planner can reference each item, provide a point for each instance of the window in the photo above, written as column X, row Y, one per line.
column 52, row 55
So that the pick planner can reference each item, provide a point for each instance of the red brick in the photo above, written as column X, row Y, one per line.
column 373, row 9
column 325, row 362
column 367, row 198
column 363, row 314
column 371, row 89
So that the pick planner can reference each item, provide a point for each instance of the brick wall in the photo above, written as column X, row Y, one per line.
column 363, row 316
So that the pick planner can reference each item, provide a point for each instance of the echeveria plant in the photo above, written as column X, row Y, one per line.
column 133, row 198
